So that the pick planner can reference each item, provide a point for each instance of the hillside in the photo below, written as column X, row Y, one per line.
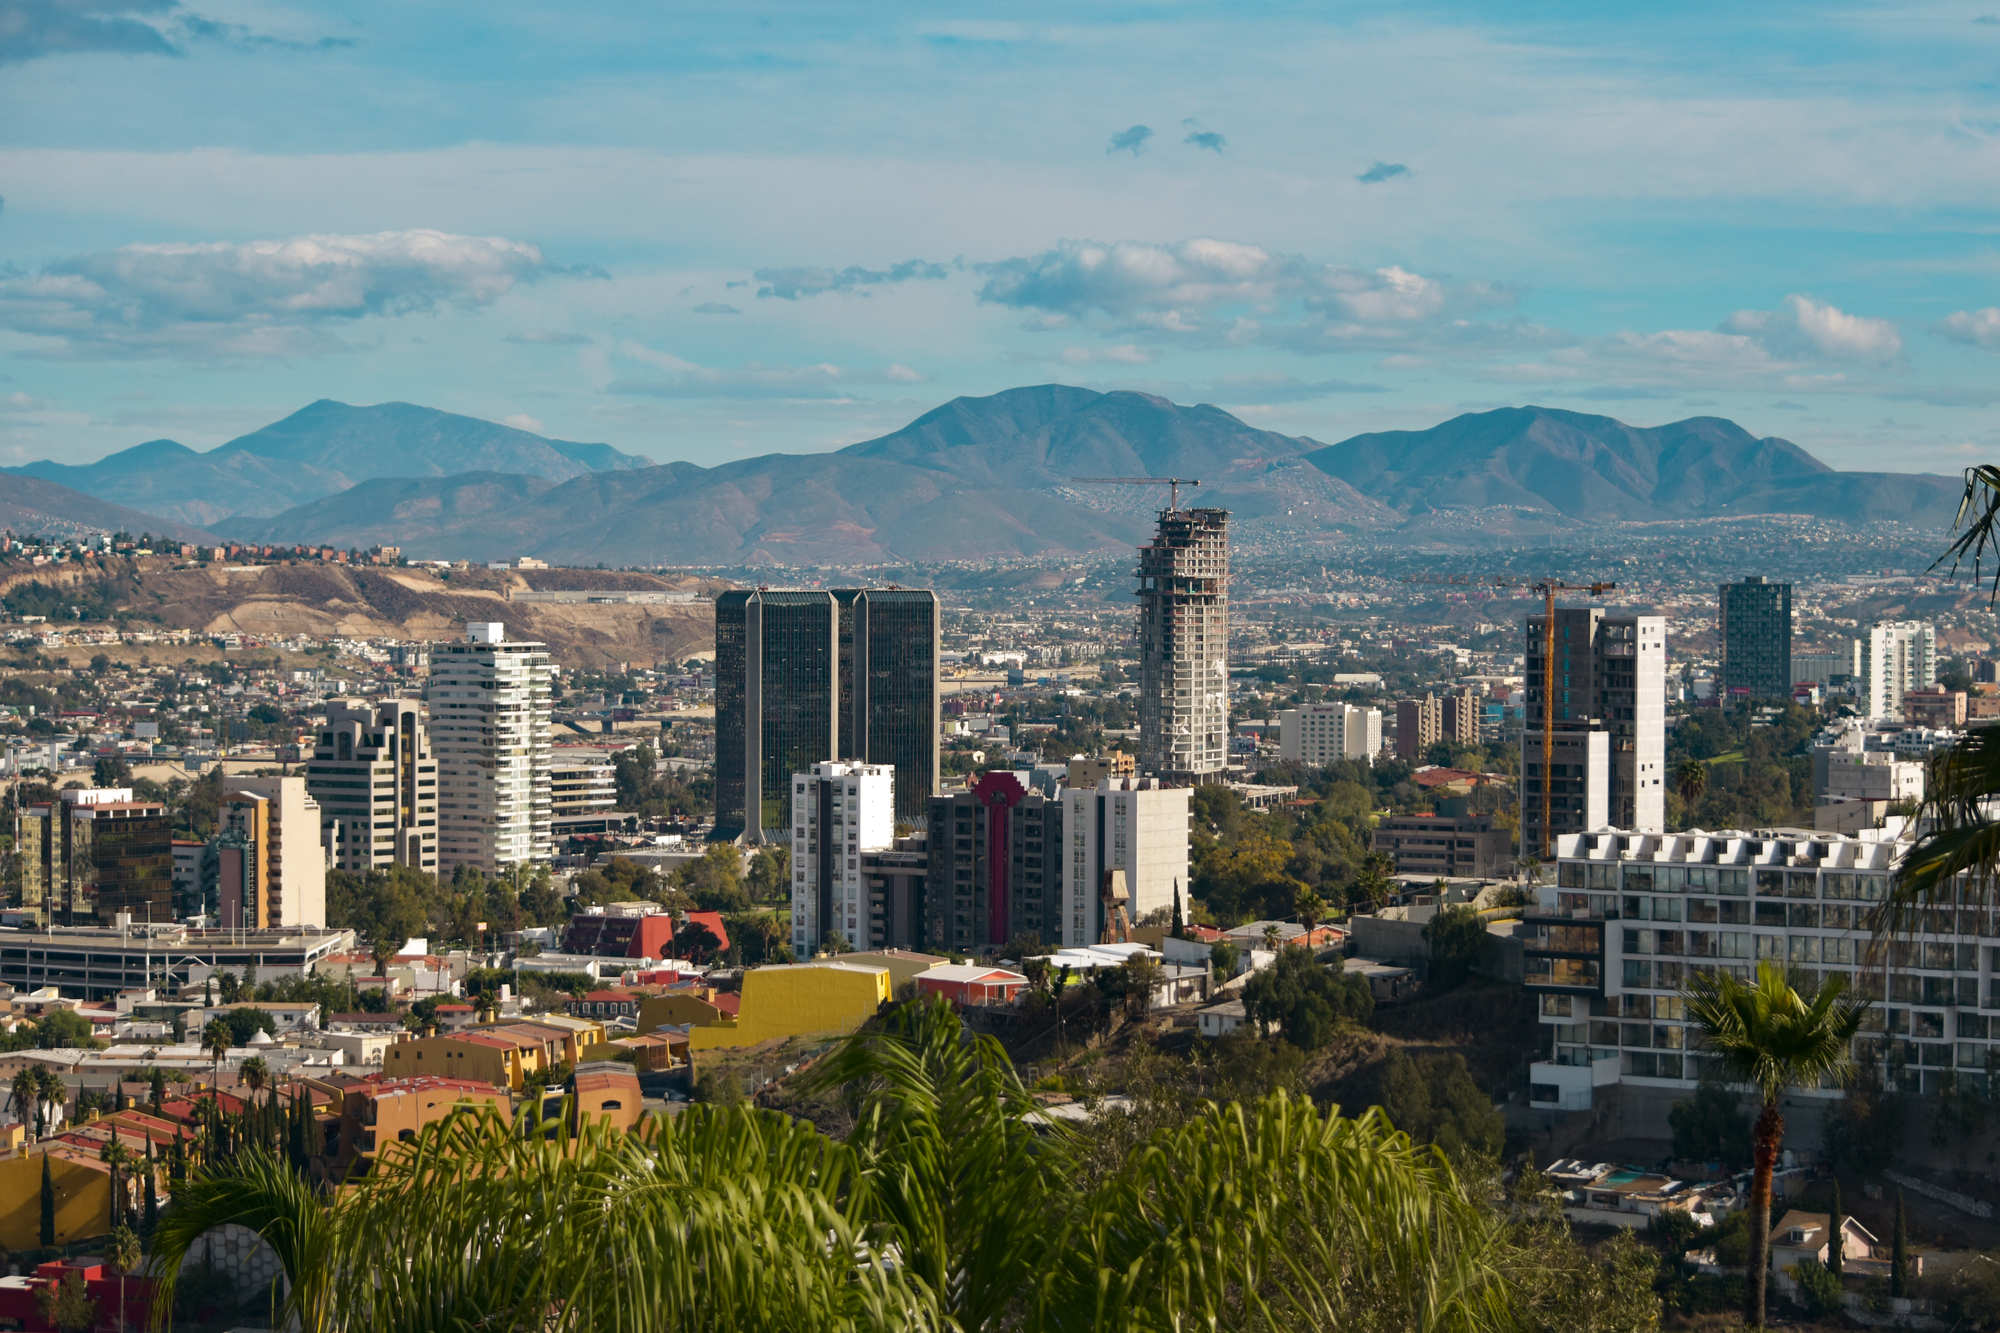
column 34, row 506
column 317, row 451
column 1596, row 468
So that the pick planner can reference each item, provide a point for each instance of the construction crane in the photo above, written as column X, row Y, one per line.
column 1548, row 588
column 1173, row 495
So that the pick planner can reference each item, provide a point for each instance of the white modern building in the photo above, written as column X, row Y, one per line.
column 839, row 811
column 294, row 854
column 582, row 784
column 1325, row 733
column 375, row 778
column 1632, row 915
column 1896, row 657
column 489, row 708
column 1137, row 825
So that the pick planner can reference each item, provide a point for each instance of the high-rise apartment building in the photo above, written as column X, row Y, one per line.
column 270, row 860
column 803, row 676
column 489, row 709
column 1139, row 826
column 586, row 785
column 839, row 811
column 1896, row 656
column 93, row 854
column 1325, row 733
column 1755, row 620
column 1419, row 726
column 1184, row 646
column 375, row 779
column 889, row 688
column 1609, row 720
column 995, row 868
column 1459, row 716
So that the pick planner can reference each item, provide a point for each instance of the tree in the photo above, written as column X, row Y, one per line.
column 1223, row 959
column 48, row 1231
column 715, row 881
column 255, row 1074
column 1819, row 1286
column 1836, row 1245
column 66, row 1304
column 150, row 1218
column 111, row 771
column 1310, row 909
column 1710, row 1127
column 1306, row 1000
column 1691, row 779
column 123, row 1254
column 1767, row 1035
column 216, row 1039
column 1899, row 1251
column 1434, row 1099
column 1372, row 885
column 158, row 1097
column 1455, row 935
column 27, row 1089
column 1143, row 975
column 54, row 1094
column 62, row 1028
column 1179, row 929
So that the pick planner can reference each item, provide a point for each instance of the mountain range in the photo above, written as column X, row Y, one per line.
column 974, row 479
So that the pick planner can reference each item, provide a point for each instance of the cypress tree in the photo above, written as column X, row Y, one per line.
column 1180, row 931
column 48, row 1205
column 1899, row 1254
column 1836, row 1242
column 151, row 1217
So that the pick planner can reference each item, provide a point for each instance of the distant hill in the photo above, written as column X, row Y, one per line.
column 31, row 506
column 321, row 450
column 976, row 478
column 1596, row 468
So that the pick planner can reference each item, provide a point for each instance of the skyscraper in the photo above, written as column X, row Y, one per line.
column 376, row 782
column 94, row 853
column 839, row 811
column 804, row 676
column 1896, row 656
column 1610, row 733
column 489, row 706
column 889, row 688
column 1184, row 646
column 1755, row 620
column 1419, row 726
column 996, row 870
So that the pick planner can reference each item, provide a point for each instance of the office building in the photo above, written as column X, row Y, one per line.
column 1446, row 846
column 489, row 710
column 1459, row 716
column 1184, row 646
column 1828, row 668
column 1896, row 657
column 1325, row 733
column 581, row 784
column 807, row 676
column 889, row 688
column 375, row 779
column 1630, row 916
column 839, row 810
column 1608, row 715
column 1140, row 827
column 1419, row 726
column 94, row 854
column 1754, row 620
column 269, row 856
column 97, row 962
column 995, row 867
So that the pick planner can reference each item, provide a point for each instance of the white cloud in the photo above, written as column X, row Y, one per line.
column 1805, row 327
column 522, row 421
column 753, row 379
column 11, row 403
column 228, row 300
column 1230, row 293
column 1980, row 328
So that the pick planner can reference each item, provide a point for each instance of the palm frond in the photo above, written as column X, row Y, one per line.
column 260, row 1192
column 1768, row 1035
column 1957, row 856
column 1981, row 502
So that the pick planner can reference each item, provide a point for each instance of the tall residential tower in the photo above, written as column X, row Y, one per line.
column 1184, row 646
column 1610, row 725
column 1755, row 619
column 375, row 779
column 489, row 706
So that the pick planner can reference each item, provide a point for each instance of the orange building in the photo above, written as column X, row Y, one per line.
column 608, row 1091
column 398, row 1109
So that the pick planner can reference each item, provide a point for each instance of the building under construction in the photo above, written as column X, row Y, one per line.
column 1184, row 647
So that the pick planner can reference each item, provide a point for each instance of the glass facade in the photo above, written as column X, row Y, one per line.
column 889, row 692
column 1756, row 627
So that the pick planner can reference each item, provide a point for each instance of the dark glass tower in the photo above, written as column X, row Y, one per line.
column 776, row 703
column 889, row 690
column 1756, row 624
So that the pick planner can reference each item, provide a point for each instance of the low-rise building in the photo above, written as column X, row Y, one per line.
column 823, row 998
column 1446, row 846
column 971, row 985
column 606, row 1092
column 373, row 1115
column 1326, row 733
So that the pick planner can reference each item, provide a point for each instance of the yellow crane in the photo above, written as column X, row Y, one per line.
column 1548, row 588
column 1174, row 483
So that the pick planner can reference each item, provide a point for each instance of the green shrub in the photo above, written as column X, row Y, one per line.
column 1819, row 1290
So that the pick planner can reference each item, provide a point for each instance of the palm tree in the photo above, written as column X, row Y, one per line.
column 122, row 1253
column 55, row 1093
column 1691, row 778
column 1310, row 908
column 115, row 1156
column 27, row 1091
column 1767, row 1035
column 215, row 1042
column 255, row 1075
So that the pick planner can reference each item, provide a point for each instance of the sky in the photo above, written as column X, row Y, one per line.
column 702, row 232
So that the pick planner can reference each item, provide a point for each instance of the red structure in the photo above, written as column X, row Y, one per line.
column 999, row 792
column 19, row 1296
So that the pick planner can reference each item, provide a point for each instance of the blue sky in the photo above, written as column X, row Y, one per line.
column 703, row 232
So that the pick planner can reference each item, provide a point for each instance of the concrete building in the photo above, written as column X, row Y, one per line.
column 1610, row 683
column 995, row 864
column 374, row 1115
column 1089, row 770
column 1935, row 706
column 1866, row 775
column 895, row 878
column 581, row 786
column 889, row 688
column 1827, row 668
column 1459, row 716
column 1324, row 733
column 1896, row 657
column 1184, row 646
column 1139, row 827
column 93, row 854
column 270, row 857
column 1755, row 623
column 489, row 708
column 1419, row 726
column 839, row 811
column 1446, row 846
column 375, row 779
column 1631, row 915
column 97, row 963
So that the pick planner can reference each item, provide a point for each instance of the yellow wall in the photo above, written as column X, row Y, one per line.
column 83, row 1202
column 446, row 1057
column 678, row 1009
column 799, row 1001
